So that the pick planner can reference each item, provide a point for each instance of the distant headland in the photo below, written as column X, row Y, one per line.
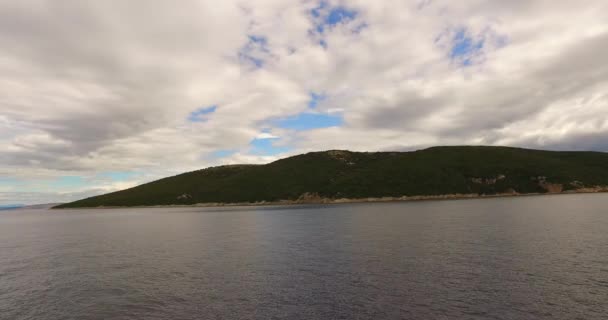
column 339, row 176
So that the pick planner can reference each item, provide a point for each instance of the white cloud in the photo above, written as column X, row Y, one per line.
column 88, row 87
column 266, row 135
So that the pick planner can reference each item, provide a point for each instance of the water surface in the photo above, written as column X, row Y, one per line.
column 509, row 258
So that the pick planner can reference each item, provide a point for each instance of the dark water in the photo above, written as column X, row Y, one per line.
column 523, row 258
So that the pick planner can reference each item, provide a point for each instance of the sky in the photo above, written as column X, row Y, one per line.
column 98, row 96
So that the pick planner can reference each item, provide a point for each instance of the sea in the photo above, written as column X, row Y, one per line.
column 537, row 257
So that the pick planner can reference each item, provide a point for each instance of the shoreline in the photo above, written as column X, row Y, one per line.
column 326, row 201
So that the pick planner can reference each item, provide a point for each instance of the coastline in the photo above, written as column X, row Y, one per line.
column 311, row 199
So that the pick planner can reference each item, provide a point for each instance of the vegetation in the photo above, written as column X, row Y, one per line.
column 345, row 174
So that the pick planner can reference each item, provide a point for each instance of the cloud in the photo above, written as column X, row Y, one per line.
column 266, row 135
column 89, row 87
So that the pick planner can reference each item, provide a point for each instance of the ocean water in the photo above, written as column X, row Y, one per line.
column 540, row 257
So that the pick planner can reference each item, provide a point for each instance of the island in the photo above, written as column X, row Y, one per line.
column 338, row 176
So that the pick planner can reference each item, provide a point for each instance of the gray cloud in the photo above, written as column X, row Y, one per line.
column 89, row 86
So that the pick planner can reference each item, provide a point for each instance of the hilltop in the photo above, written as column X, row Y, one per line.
column 437, row 172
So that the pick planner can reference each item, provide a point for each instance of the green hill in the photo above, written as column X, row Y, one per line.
column 344, row 174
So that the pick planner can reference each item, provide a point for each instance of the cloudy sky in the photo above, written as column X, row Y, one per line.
column 97, row 96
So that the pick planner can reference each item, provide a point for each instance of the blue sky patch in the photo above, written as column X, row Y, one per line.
column 68, row 182
column 464, row 47
column 266, row 147
column 119, row 175
column 315, row 99
column 7, row 181
column 309, row 121
column 254, row 51
column 200, row 115
column 326, row 17
column 331, row 16
column 261, row 40
column 218, row 154
column 339, row 15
